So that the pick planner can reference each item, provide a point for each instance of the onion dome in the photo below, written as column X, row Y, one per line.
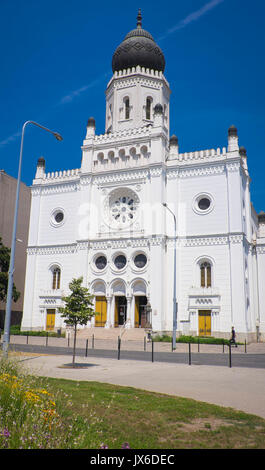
column 91, row 122
column 173, row 140
column 41, row 162
column 242, row 152
column 138, row 48
column 232, row 131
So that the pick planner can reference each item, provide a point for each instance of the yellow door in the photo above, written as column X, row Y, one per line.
column 101, row 311
column 50, row 319
column 204, row 323
column 116, row 312
column 136, row 320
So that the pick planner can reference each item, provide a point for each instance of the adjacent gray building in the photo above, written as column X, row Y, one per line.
column 8, row 186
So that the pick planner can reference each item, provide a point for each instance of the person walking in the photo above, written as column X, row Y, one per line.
column 233, row 337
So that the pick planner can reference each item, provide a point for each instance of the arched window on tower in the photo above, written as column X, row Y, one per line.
column 56, row 278
column 148, row 108
column 206, row 274
column 127, row 108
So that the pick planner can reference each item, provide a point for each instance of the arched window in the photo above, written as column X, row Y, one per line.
column 148, row 108
column 206, row 274
column 127, row 108
column 56, row 278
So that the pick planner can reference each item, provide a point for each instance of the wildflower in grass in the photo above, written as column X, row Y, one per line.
column 104, row 446
column 5, row 433
column 125, row 445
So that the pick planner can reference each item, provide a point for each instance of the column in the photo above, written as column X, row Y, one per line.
column 108, row 323
column 129, row 323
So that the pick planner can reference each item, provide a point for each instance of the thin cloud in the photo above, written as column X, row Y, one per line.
column 65, row 100
column 194, row 16
column 76, row 93
column 9, row 139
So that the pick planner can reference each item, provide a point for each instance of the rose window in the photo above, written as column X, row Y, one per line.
column 122, row 207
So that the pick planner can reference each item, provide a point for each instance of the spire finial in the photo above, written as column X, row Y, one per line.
column 139, row 19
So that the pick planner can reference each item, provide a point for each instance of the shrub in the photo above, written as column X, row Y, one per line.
column 191, row 339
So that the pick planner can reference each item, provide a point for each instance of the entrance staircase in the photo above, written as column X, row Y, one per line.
column 126, row 334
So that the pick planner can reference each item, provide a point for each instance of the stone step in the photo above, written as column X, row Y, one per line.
column 128, row 334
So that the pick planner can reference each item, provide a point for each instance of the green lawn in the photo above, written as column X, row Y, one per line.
column 47, row 413
column 154, row 421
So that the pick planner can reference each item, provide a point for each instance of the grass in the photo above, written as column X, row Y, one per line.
column 58, row 413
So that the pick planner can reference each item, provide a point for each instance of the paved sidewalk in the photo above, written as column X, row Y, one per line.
column 254, row 348
column 239, row 388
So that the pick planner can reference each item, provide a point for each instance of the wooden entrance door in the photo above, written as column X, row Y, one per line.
column 101, row 311
column 204, row 322
column 120, row 310
column 50, row 319
column 140, row 311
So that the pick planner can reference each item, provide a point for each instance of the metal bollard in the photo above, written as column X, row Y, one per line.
column 198, row 344
column 230, row 356
column 119, row 347
column 223, row 346
column 245, row 345
column 145, row 343
column 86, row 346
column 152, row 350
column 27, row 339
column 189, row 355
column 93, row 341
column 47, row 335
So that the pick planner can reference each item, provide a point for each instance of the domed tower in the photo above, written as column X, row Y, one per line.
column 138, row 83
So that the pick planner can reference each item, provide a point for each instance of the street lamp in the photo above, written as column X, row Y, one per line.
column 175, row 279
column 13, row 243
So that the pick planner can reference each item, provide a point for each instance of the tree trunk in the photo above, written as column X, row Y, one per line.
column 74, row 346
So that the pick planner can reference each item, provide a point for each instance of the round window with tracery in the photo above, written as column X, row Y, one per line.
column 121, row 207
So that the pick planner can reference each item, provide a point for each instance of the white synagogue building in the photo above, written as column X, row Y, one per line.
column 106, row 220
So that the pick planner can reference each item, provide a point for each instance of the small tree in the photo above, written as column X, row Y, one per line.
column 4, row 266
column 77, row 310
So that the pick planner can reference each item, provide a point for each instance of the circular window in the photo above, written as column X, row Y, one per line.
column 140, row 260
column 204, row 203
column 101, row 262
column 58, row 217
column 121, row 207
column 120, row 261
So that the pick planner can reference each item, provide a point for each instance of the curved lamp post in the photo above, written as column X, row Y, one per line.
column 13, row 243
column 175, row 279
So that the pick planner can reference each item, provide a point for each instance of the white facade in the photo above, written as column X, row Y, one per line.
column 112, row 206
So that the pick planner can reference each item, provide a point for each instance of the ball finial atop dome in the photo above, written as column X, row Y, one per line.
column 139, row 19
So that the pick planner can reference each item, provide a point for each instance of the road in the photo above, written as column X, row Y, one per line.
column 248, row 360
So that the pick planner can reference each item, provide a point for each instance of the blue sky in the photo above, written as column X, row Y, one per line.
column 56, row 62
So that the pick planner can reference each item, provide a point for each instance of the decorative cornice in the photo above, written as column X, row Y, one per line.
column 201, row 171
column 260, row 249
column 111, row 177
column 156, row 240
column 52, row 250
column 55, row 188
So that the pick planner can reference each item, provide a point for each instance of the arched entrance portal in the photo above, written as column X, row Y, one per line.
column 120, row 310
column 100, row 304
column 119, row 293
column 140, row 301
column 140, row 311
